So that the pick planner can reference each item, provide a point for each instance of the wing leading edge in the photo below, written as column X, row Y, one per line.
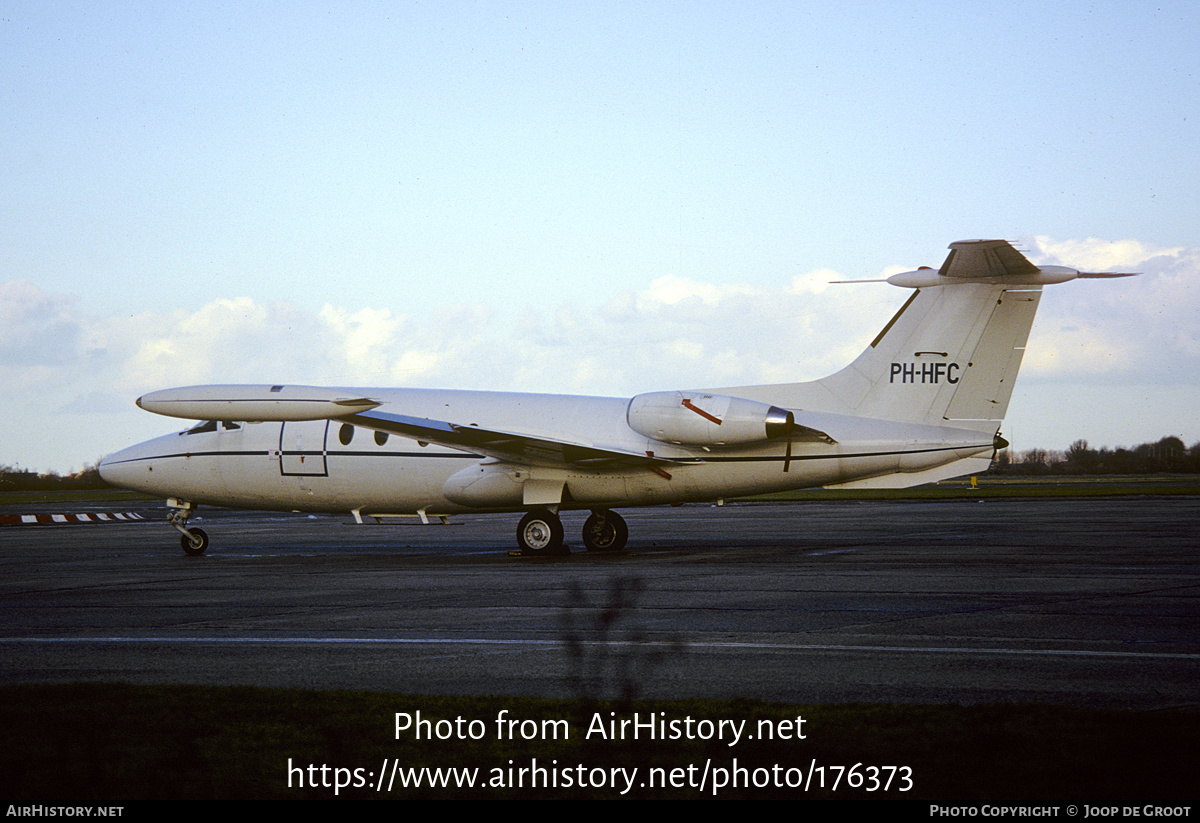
column 510, row 447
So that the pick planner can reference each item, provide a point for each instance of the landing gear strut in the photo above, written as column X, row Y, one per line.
column 540, row 532
column 193, row 541
column 605, row 531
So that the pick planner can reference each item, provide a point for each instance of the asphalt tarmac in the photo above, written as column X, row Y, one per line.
column 1086, row 602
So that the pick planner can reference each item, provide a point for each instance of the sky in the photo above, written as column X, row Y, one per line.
column 596, row 198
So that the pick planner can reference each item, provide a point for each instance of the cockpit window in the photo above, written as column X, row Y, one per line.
column 211, row 426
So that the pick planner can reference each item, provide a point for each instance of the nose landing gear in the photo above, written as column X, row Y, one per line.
column 193, row 541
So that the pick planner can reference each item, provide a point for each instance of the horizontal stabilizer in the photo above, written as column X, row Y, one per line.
column 994, row 262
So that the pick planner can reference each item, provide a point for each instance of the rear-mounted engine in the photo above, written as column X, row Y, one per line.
column 702, row 419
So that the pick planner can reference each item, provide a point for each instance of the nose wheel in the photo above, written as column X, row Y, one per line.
column 193, row 541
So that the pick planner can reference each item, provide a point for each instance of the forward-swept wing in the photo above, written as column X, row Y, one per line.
column 923, row 402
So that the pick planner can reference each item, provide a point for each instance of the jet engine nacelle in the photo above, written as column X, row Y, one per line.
column 703, row 419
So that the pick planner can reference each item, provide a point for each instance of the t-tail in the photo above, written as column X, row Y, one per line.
column 950, row 355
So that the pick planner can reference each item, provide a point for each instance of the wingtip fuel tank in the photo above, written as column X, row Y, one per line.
column 255, row 402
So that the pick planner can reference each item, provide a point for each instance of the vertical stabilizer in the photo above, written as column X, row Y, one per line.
column 951, row 354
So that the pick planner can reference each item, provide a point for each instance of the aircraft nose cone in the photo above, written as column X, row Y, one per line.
column 111, row 470
column 124, row 469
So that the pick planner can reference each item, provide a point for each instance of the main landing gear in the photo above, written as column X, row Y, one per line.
column 193, row 541
column 541, row 533
column 605, row 531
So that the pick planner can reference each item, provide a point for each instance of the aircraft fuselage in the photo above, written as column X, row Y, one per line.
column 334, row 465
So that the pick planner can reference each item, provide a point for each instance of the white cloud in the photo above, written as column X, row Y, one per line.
column 817, row 281
column 36, row 329
column 1096, row 255
column 1136, row 329
column 361, row 335
column 672, row 290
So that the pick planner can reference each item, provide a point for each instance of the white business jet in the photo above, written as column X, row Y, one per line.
column 923, row 403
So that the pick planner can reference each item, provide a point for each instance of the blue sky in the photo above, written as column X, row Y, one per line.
column 588, row 197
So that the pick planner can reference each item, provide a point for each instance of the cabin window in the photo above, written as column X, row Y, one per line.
column 380, row 438
column 346, row 434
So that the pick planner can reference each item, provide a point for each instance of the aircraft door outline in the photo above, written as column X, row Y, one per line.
column 302, row 449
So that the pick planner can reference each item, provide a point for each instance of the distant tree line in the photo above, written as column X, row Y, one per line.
column 1167, row 456
column 16, row 479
